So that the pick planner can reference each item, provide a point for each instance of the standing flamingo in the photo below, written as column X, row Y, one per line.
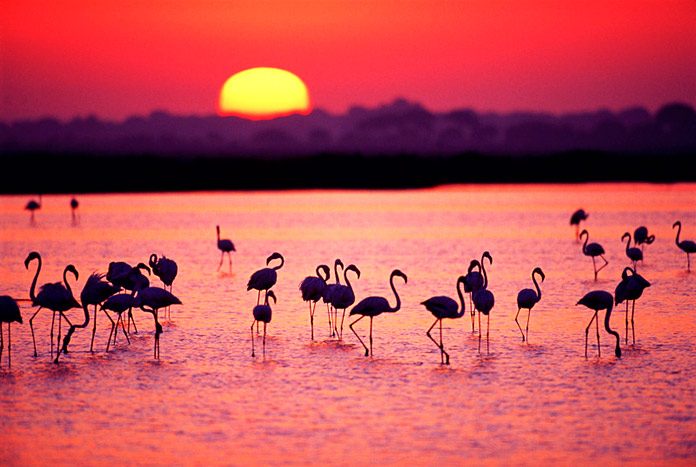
column 150, row 300
column 641, row 237
column 328, row 291
column 577, row 217
column 265, row 278
column 119, row 304
column 527, row 298
column 634, row 254
column 134, row 281
column 312, row 288
column 263, row 314
column 374, row 306
column 74, row 204
column 342, row 297
column 32, row 206
column 9, row 313
column 484, row 302
column 593, row 250
column 630, row 289
column 56, row 297
column 166, row 269
column 600, row 300
column 687, row 246
column 444, row 307
column 474, row 282
column 95, row 291
column 225, row 246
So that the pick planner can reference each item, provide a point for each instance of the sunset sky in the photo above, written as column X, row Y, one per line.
column 118, row 58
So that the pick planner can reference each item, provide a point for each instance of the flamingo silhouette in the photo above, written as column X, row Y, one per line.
column 593, row 250
column 9, row 313
column 74, row 204
column 94, row 292
column 134, row 281
column 577, row 217
column 484, row 302
column 375, row 306
column 527, row 298
column 312, row 288
column 262, row 313
column 600, row 300
column 641, row 237
column 474, row 282
column 342, row 297
column 265, row 278
column 166, row 269
column 443, row 307
column 328, row 291
column 687, row 246
column 634, row 254
column 118, row 303
column 225, row 246
column 150, row 300
column 630, row 289
column 56, row 297
column 32, row 206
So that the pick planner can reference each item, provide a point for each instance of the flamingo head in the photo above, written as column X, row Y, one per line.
column 73, row 270
column 399, row 273
column 538, row 270
column 275, row 255
column 326, row 270
column 30, row 257
column 626, row 235
column 474, row 264
column 676, row 224
column 353, row 268
column 487, row 254
column 144, row 267
column 271, row 294
column 153, row 260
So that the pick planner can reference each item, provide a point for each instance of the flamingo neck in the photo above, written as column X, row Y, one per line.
column 584, row 245
column 282, row 262
column 65, row 281
column 345, row 278
column 536, row 284
column 462, row 310
column 628, row 244
column 485, row 275
column 32, row 290
column 607, row 317
column 336, row 275
column 678, row 233
column 218, row 233
column 397, row 307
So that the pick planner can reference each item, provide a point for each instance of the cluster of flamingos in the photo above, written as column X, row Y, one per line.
column 33, row 205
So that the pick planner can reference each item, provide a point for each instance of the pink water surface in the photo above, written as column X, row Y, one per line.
column 208, row 401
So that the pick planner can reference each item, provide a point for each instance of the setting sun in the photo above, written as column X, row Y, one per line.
column 262, row 93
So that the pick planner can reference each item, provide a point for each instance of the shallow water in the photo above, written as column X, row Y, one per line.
column 208, row 401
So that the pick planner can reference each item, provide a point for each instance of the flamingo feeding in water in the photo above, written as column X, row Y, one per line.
column 443, row 307
column 312, row 288
column 94, row 292
column 600, row 300
column 9, row 313
column 593, row 250
column 641, row 237
column 263, row 314
column 375, row 306
column 265, row 278
column 687, row 246
column 342, row 296
column 630, row 289
column 225, row 246
column 577, row 217
column 328, row 291
column 150, row 300
column 32, row 206
column 527, row 298
column 634, row 254
column 118, row 303
column 56, row 297
column 484, row 302
column 166, row 269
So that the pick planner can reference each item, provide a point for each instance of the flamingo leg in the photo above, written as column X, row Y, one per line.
column 599, row 348
column 488, row 328
column 222, row 257
column 587, row 331
column 442, row 347
column 328, row 312
column 594, row 268
column 427, row 333
column 53, row 323
column 626, row 322
column 311, row 318
column 473, row 314
column 371, row 352
column 123, row 328
column 252, row 339
column 356, row 334
column 60, row 321
column 9, row 344
column 529, row 315
column 94, row 330
column 258, row 298
column 633, row 324
column 688, row 262
column 518, row 323
column 479, row 320
column 130, row 318
column 605, row 263
column 31, row 325
column 112, row 329
column 577, row 233
column 335, row 321
column 264, row 338
column 343, row 316
column 229, row 260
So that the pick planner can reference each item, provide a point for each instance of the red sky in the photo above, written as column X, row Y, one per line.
column 117, row 58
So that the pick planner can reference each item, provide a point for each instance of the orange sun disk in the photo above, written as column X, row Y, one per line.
column 263, row 93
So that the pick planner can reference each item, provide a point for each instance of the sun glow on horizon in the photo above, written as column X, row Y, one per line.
column 264, row 93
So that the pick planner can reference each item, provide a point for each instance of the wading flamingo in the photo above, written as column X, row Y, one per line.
column 342, row 297
column 630, row 289
column 328, row 291
column 484, row 302
column 600, row 300
column 641, row 237
column 577, row 217
column 166, row 269
column 119, row 304
column 443, row 307
column 74, row 204
column 312, row 288
column 265, row 278
column 9, row 313
column 634, row 254
column 32, row 206
column 687, row 246
column 225, row 246
column 527, row 298
column 593, row 250
column 262, row 314
column 150, row 300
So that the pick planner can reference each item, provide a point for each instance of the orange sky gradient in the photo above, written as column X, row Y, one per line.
column 118, row 58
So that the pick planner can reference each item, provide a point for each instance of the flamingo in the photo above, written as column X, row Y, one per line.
column 328, row 291
column 150, row 300
column 312, row 288
column 94, row 292
column 342, row 297
column 641, row 237
column 262, row 313
column 9, row 313
column 474, row 282
column 630, row 289
column 527, row 298
column 593, row 250
column 687, row 246
column 74, row 204
column 443, row 307
column 484, row 300
column 32, row 206
column 166, row 269
column 55, row 296
column 577, row 217
column 600, row 300
column 225, row 246
column 634, row 254
column 265, row 278
column 118, row 303
column 133, row 281
column 375, row 306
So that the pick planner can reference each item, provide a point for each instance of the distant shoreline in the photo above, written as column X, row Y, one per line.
column 79, row 173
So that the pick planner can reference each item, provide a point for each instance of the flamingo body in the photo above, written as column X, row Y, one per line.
column 9, row 313
column 600, row 300
column 687, row 246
